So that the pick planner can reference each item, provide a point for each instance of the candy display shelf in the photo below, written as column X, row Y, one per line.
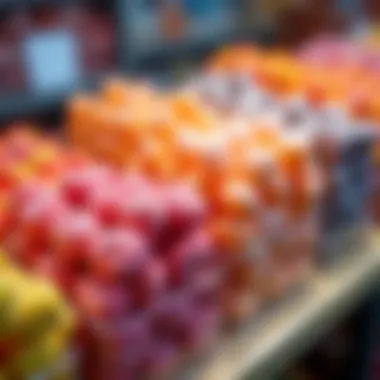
column 265, row 346
column 25, row 104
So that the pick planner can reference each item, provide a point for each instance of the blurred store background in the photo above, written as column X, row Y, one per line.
column 49, row 48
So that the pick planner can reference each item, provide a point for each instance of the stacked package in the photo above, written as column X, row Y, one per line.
column 35, row 327
column 26, row 154
column 334, row 106
column 321, row 75
column 338, row 53
column 133, row 256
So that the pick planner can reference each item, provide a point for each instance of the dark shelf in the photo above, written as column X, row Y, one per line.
column 24, row 104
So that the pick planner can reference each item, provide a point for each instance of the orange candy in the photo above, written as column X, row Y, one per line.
column 284, row 75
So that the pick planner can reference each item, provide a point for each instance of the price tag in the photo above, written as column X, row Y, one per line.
column 52, row 61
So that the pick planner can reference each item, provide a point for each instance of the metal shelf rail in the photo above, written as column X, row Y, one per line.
column 267, row 345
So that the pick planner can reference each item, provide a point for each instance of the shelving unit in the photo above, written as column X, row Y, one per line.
column 274, row 340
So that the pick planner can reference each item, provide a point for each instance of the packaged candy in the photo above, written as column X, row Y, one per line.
column 36, row 324
column 124, row 250
column 309, row 94
column 253, row 177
